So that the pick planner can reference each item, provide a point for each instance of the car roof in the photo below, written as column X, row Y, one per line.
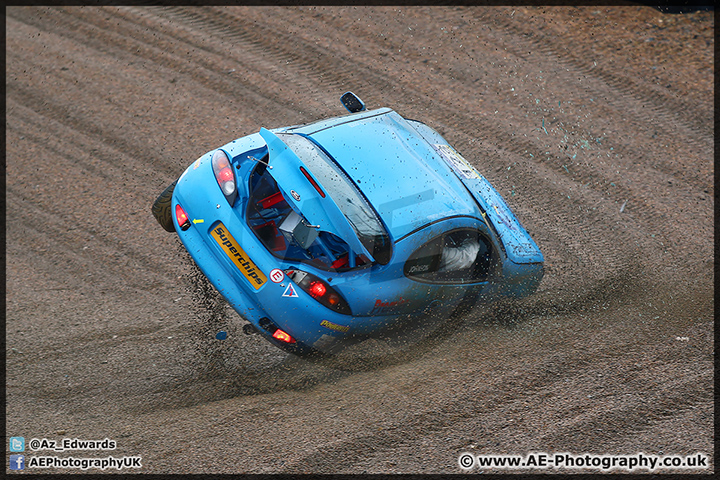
column 400, row 173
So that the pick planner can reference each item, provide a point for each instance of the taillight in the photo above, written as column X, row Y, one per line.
column 319, row 290
column 267, row 325
column 283, row 336
column 182, row 218
column 223, row 171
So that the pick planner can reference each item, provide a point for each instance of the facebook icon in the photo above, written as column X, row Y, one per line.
column 17, row 462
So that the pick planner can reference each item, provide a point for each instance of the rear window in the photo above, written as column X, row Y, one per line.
column 345, row 194
column 458, row 256
column 285, row 233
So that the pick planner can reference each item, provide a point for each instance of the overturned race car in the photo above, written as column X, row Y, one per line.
column 325, row 234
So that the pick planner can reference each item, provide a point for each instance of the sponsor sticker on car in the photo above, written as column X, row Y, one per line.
column 334, row 326
column 457, row 161
column 238, row 256
column 290, row 292
column 277, row 275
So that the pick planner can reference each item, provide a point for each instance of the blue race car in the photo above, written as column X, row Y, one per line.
column 328, row 233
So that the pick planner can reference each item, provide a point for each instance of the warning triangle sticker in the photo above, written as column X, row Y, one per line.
column 290, row 291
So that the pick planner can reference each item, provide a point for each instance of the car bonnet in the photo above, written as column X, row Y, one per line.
column 401, row 174
column 317, row 209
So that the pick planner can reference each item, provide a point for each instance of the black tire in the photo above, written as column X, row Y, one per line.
column 162, row 208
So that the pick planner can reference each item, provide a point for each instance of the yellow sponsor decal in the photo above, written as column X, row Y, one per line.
column 334, row 326
column 238, row 256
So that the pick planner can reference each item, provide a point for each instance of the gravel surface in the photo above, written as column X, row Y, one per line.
column 595, row 123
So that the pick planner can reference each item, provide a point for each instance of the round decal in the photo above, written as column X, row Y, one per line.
column 276, row 275
column 295, row 195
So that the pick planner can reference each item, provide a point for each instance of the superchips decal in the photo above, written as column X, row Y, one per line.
column 238, row 256
column 451, row 156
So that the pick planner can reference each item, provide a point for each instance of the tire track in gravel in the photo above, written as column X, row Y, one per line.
column 621, row 93
column 113, row 140
column 131, row 43
column 561, row 370
column 666, row 107
column 94, row 223
column 260, row 47
column 454, row 416
column 663, row 399
column 260, row 83
column 253, row 39
column 261, row 79
column 123, row 259
column 75, row 27
column 36, row 115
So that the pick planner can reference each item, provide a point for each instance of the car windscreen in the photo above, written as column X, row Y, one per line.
column 345, row 194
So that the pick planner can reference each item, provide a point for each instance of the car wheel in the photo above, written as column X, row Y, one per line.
column 162, row 208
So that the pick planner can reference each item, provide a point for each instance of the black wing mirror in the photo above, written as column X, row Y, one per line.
column 352, row 102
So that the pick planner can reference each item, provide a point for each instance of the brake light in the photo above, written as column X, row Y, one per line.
column 225, row 176
column 319, row 290
column 182, row 218
column 313, row 182
column 278, row 334
column 283, row 336
column 223, row 171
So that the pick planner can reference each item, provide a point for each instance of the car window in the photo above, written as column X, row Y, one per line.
column 458, row 256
